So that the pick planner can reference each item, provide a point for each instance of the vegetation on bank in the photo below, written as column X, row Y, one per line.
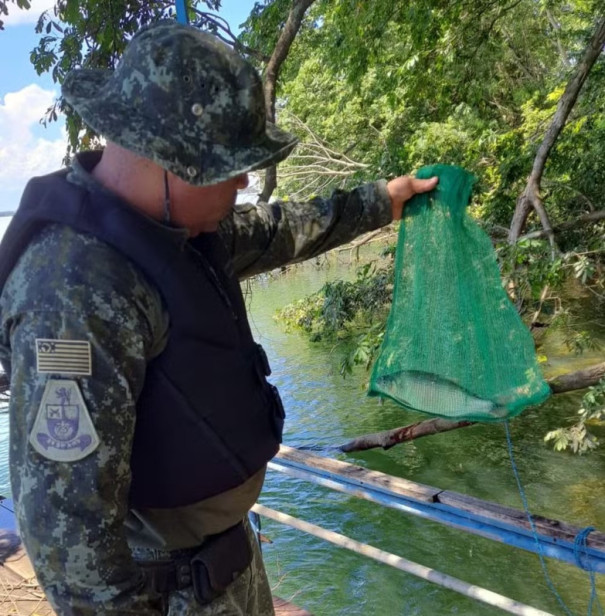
column 354, row 313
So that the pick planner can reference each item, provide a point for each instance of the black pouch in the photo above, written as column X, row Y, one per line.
column 220, row 561
column 279, row 413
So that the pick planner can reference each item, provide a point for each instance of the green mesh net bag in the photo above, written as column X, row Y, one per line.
column 454, row 345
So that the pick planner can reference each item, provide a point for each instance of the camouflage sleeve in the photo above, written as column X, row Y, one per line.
column 71, row 513
column 263, row 237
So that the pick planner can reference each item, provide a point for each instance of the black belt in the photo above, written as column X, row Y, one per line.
column 210, row 569
column 166, row 576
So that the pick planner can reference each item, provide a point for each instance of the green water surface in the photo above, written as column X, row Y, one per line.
column 324, row 409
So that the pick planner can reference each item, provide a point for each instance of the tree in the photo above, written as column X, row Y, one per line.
column 21, row 4
column 295, row 15
column 393, row 86
column 531, row 195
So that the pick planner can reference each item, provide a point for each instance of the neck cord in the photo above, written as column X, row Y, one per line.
column 166, row 199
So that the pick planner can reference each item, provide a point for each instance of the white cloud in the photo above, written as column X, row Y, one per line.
column 22, row 154
column 17, row 16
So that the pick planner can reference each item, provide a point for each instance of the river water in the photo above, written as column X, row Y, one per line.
column 324, row 409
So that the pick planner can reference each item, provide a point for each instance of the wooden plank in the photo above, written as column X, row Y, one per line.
column 20, row 597
column 514, row 517
column 20, row 594
column 20, row 565
column 553, row 529
column 397, row 485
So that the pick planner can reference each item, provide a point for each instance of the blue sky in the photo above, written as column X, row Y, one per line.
column 26, row 147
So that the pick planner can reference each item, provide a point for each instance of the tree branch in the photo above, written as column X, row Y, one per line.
column 220, row 28
column 531, row 195
column 314, row 163
column 286, row 38
column 570, row 224
column 556, row 27
column 579, row 379
column 580, row 194
column 388, row 438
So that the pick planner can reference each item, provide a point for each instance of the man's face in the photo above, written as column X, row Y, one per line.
column 201, row 208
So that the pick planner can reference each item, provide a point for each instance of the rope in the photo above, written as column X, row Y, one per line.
column 166, row 199
column 181, row 11
column 532, row 525
column 581, row 546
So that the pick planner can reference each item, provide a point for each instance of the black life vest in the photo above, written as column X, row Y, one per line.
column 207, row 419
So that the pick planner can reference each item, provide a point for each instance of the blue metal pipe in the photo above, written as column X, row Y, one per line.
column 444, row 514
column 181, row 11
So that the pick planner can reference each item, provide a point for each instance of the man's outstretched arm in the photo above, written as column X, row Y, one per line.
column 263, row 237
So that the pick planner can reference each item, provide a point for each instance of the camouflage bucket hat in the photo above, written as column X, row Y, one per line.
column 185, row 100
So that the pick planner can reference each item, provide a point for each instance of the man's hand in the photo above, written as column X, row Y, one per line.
column 403, row 188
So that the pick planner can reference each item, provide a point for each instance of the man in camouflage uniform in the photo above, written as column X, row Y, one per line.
column 82, row 325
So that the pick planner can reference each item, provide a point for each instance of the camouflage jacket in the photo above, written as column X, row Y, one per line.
column 73, row 515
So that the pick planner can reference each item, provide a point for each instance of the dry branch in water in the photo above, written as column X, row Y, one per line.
column 571, row 381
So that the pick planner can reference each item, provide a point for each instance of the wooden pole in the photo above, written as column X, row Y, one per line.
column 426, row 573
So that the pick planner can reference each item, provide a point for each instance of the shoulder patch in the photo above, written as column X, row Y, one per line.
column 63, row 356
column 63, row 430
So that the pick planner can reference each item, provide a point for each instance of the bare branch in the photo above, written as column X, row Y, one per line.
column 313, row 170
column 570, row 224
column 390, row 438
column 316, row 143
column 313, row 161
column 222, row 30
column 580, row 194
column 556, row 27
column 531, row 195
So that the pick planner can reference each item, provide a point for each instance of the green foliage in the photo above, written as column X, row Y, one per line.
column 578, row 437
column 399, row 85
column 342, row 308
column 395, row 86
column 364, row 349
column 527, row 270
column 21, row 4
column 264, row 24
column 576, row 336
column 540, row 285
